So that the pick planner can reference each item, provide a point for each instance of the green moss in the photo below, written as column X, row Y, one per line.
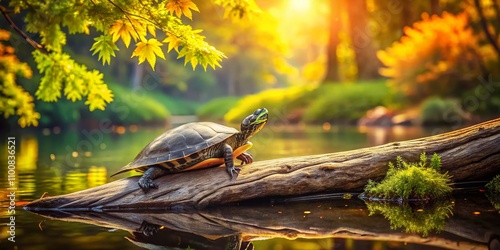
column 411, row 181
column 494, row 185
column 217, row 108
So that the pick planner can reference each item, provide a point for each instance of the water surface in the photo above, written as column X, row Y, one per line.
column 58, row 161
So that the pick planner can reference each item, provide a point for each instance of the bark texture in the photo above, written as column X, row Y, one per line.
column 470, row 153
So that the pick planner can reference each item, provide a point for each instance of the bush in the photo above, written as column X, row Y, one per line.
column 128, row 107
column 279, row 102
column 412, row 181
column 345, row 102
column 328, row 102
column 438, row 111
column 438, row 55
column 217, row 108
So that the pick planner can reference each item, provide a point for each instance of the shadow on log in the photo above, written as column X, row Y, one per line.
column 223, row 226
column 467, row 154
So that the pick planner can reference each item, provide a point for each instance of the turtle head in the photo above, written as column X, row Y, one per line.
column 254, row 122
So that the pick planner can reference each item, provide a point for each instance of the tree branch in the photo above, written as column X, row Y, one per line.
column 484, row 25
column 18, row 30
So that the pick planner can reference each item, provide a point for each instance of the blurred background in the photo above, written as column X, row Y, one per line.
column 319, row 61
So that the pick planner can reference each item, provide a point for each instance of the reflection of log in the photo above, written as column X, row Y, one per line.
column 467, row 154
column 332, row 218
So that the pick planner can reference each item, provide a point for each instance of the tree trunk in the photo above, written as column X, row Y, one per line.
column 362, row 40
column 332, row 64
column 467, row 154
column 406, row 14
column 435, row 9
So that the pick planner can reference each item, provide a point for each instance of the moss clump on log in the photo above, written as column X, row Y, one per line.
column 494, row 185
column 408, row 181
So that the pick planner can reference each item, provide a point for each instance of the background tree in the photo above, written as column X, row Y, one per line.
column 335, row 26
column 113, row 20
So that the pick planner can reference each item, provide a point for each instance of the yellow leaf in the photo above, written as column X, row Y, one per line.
column 181, row 6
column 121, row 30
column 173, row 43
column 149, row 50
column 152, row 30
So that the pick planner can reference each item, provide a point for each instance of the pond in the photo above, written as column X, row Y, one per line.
column 56, row 161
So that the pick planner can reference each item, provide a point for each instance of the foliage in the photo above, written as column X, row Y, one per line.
column 414, row 218
column 345, row 102
column 14, row 100
column 145, row 22
column 175, row 105
column 493, row 188
column 436, row 110
column 328, row 102
column 279, row 102
column 412, row 180
column 217, row 108
column 60, row 72
column 129, row 107
column 494, row 185
column 438, row 55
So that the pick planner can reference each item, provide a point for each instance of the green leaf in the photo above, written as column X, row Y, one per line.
column 105, row 46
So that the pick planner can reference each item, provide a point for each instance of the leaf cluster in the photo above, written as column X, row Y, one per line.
column 412, row 180
column 439, row 55
column 150, row 24
column 14, row 100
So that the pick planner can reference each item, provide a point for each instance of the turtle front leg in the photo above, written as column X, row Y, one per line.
column 228, row 159
column 146, row 181
column 245, row 158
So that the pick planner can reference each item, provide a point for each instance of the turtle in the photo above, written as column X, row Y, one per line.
column 196, row 145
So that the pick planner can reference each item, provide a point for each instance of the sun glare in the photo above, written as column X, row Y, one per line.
column 299, row 5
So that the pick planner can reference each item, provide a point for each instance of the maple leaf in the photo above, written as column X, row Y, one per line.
column 125, row 31
column 148, row 50
column 173, row 42
column 105, row 47
column 181, row 7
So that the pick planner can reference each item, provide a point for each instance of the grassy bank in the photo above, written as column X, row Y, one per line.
column 336, row 103
column 128, row 107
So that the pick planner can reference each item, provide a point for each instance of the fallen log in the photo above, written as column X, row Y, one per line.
column 467, row 154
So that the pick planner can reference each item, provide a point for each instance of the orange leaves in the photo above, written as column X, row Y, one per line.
column 126, row 30
column 121, row 30
column 437, row 55
column 181, row 7
column 149, row 50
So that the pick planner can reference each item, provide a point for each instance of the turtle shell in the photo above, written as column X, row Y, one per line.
column 180, row 142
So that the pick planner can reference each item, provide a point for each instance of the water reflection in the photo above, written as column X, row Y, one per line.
column 328, row 222
column 414, row 217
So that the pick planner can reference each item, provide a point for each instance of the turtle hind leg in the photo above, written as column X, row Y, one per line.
column 146, row 181
column 228, row 159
